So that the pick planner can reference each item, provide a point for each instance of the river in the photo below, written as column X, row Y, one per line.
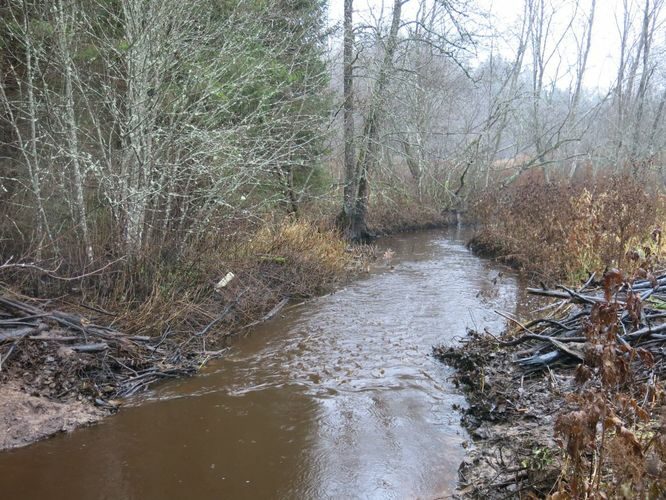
column 337, row 398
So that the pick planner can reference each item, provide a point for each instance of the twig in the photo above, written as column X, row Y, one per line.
column 506, row 316
column 210, row 325
column 50, row 273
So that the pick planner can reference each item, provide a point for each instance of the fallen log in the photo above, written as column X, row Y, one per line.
column 17, row 333
column 90, row 347
column 271, row 314
column 534, row 336
column 644, row 331
column 50, row 338
column 542, row 360
column 564, row 295
column 635, row 325
column 118, row 364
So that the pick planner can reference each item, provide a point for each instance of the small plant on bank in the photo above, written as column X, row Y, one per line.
column 542, row 458
column 613, row 433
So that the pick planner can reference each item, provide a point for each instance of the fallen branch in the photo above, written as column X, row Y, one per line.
column 631, row 330
column 90, row 347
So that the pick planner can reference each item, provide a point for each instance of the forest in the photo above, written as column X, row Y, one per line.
column 130, row 127
column 181, row 170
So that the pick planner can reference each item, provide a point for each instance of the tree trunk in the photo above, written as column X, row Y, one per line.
column 33, row 162
column 354, row 223
column 72, row 133
column 575, row 100
column 350, row 180
column 646, row 42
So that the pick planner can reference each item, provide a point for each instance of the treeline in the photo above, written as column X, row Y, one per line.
column 469, row 106
column 139, row 126
column 130, row 124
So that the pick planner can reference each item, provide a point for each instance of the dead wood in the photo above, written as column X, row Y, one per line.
column 66, row 353
column 640, row 320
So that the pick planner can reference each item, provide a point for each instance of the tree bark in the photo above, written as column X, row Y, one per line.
column 647, row 31
column 72, row 132
column 354, row 223
column 582, row 66
column 350, row 180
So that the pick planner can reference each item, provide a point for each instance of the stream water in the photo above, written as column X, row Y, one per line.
column 337, row 398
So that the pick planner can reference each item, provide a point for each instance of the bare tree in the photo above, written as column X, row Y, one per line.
column 15, row 112
column 64, row 29
column 354, row 223
column 581, row 67
column 350, row 177
column 649, row 24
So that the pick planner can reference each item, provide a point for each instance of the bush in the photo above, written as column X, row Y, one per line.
column 285, row 259
column 563, row 231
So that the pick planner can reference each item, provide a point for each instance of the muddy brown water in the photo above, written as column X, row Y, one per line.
column 337, row 398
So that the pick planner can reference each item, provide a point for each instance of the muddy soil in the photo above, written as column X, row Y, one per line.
column 25, row 418
column 49, row 384
column 55, row 379
column 72, row 367
column 43, row 392
column 510, row 417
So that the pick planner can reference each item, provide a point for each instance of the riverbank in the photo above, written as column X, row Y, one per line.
column 510, row 419
column 25, row 418
column 71, row 360
column 607, row 443
column 573, row 400
column 69, row 357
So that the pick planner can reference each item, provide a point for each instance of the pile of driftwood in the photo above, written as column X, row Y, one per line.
column 100, row 362
column 565, row 334
column 59, row 354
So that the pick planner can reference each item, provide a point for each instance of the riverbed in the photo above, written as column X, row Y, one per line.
column 338, row 397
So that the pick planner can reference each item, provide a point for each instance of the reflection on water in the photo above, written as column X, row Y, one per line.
column 338, row 398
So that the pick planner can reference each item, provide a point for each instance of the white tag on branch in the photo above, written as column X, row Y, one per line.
column 224, row 281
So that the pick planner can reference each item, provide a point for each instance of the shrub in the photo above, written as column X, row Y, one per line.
column 563, row 231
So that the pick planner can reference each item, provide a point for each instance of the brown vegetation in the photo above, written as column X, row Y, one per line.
column 398, row 211
column 583, row 387
column 115, row 331
column 613, row 431
column 591, row 373
column 562, row 230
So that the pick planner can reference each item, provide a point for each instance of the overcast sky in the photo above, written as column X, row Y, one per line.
column 505, row 15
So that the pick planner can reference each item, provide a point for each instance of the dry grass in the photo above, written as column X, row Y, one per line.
column 392, row 209
column 612, row 430
column 395, row 211
column 285, row 259
column 163, row 291
column 303, row 245
column 182, row 305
